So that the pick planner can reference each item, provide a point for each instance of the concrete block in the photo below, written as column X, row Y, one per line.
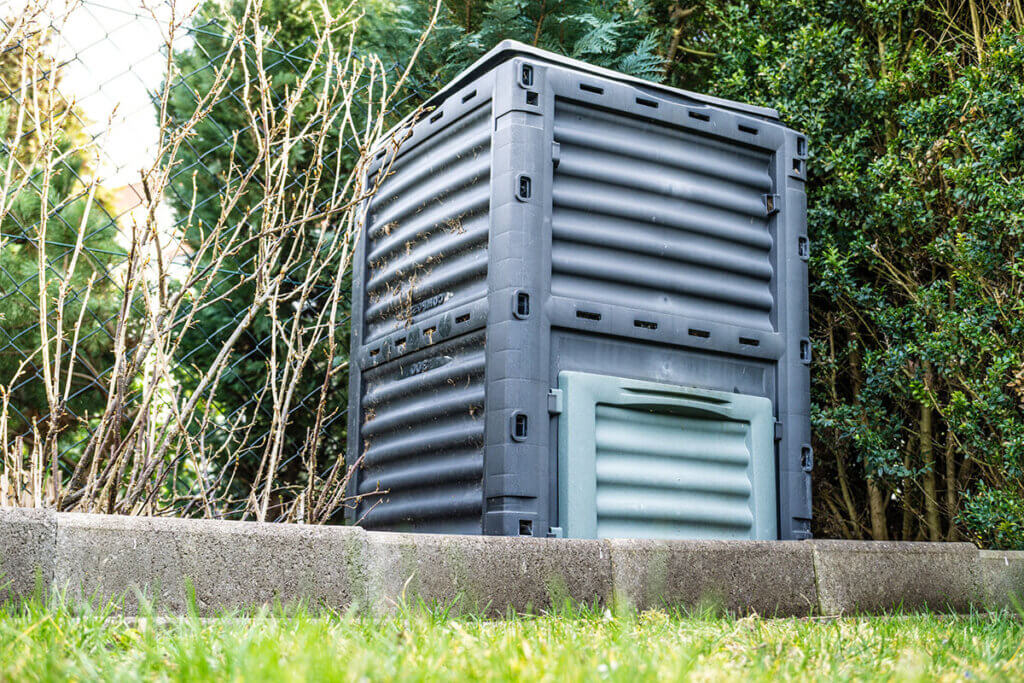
column 485, row 574
column 230, row 565
column 768, row 578
column 27, row 542
column 1002, row 578
column 870, row 577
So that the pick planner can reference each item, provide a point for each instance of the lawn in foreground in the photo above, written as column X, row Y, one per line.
column 57, row 643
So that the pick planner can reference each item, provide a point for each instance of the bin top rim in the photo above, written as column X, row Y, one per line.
column 509, row 49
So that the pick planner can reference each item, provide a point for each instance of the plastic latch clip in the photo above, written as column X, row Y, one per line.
column 555, row 401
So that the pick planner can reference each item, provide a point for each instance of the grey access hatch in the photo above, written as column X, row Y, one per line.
column 651, row 460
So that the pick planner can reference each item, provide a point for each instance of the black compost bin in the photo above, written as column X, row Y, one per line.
column 580, row 309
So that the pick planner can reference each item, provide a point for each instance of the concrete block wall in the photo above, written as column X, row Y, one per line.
column 236, row 565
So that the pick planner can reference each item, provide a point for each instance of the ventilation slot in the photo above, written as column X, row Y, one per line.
column 587, row 315
column 798, row 166
column 806, row 458
column 803, row 247
column 526, row 77
column 462, row 318
column 747, row 129
column 531, row 97
column 522, row 307
column 436, row 117
column 374, row 352
column 520, row 426
column 750, row 341
column 524, row 188
column 468, row 96
column 645, row 324
column 699, row 116
column 801, row 146
column 805, row 351
column 591, row 88
column 646, row 102
column 703, row 334
column 525, row 527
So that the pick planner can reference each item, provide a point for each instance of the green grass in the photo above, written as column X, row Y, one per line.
column 55, row 642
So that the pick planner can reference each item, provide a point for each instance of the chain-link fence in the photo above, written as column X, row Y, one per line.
column 177, row 221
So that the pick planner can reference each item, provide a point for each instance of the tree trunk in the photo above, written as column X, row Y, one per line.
column 844, row 487
column 678, row 16
column 841, row 453
column 950, row 475
column 876, row 501
column 906, row 528
column 931, row 502
column 979, row 42
column 876, row 497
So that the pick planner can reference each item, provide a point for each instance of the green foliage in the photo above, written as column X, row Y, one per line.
column 618, row 34
column 915, row 196
column 997, row 516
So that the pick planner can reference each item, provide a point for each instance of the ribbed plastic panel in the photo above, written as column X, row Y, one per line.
column 669, row 476
column 427, row 228
column 650, row 217
column 423, row 439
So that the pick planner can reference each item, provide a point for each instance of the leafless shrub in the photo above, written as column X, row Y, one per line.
column 147, row 450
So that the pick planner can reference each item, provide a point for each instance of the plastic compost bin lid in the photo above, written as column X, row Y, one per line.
column 509, row 49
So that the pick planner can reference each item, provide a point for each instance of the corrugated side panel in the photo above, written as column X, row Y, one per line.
column 656, row 218
column 653, row 484
column 422, row 439
column 427, row 227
